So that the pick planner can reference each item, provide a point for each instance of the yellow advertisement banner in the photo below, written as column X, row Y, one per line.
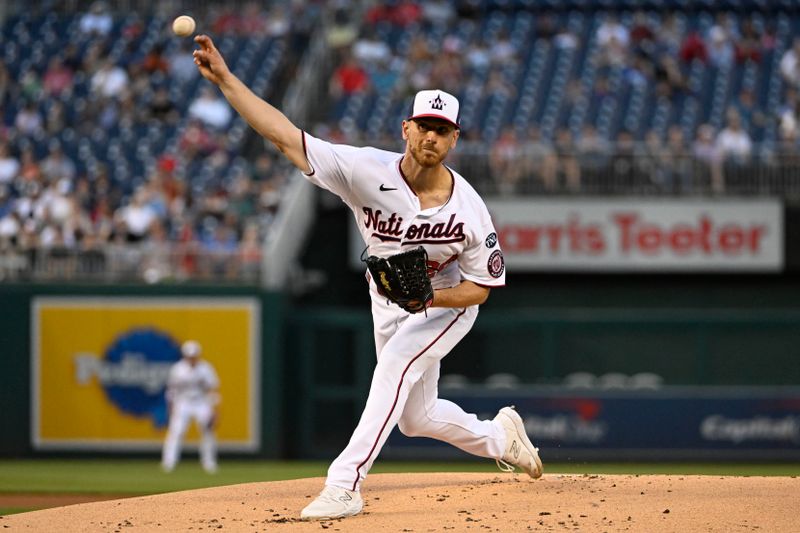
column 100, row 367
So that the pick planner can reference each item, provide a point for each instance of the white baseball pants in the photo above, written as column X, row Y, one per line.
column 182, row 414
column 404, row 390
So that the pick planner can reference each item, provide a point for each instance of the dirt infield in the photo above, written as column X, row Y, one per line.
column 453, row 502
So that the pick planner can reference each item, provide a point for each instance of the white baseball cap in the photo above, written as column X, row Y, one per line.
column 191, row 349
column 436, row 104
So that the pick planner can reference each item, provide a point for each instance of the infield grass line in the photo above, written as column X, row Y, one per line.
column 144, row 476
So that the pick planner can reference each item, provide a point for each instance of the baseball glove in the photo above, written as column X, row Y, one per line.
column 403, row 279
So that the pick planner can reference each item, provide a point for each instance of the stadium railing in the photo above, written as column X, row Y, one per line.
column 131, row 263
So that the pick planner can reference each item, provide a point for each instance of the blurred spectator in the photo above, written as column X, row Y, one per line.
column 28, row 121
column 748, row 45
column 102, row 219
column 401, row 13
column 641, row 35
column 539, row 159
column 382, row 78
column 447, row 73
column 720, row 47
column 107, row 116
column 211, row 109
column 110, row 80
column 242, row 199
column 6, row 83
column 57, row 165
column 57, row 78
column 748, row 111
column 30, row 86
column 497, row 84
column 502, row 51
column 253, row 20
column 706, row 153
column 733, row 142
column 613, row 40
column 545, row 26
column 133, row 27
column 263, row 167
column 136, row 218
column 504, row 162
column 678, row 163
column 181, row 63
column 348, row 78
column 275, row 25
column 477, row 54
column 250, row 253
column 155, row 264
column 612, row 30
column 98, row 21
column 225, row 20
column 693, row 48
column 10, row 223
column 219, row 244
column 623, row 162
column 639, row 71
column 438, row 13
column 788, row 116
column 790, row 64
column 162, row 108
column 9, row 164
column 652, row 160
column 369, row 49
column 567, row 162
column 342, row 33
column 593, row 150
column 71, row 57
column 56, row 119
column 30, row 169
column 196, row 141
column 670, row 81
column 668, row 37
column 154, row 60
column 566, row 39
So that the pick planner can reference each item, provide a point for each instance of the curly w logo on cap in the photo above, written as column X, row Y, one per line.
column 436, row 104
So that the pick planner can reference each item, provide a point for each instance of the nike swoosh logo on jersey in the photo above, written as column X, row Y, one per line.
column 385, row 188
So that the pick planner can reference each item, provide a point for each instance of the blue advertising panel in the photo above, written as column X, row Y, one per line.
column 680, row 422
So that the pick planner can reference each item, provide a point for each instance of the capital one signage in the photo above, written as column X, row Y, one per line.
column 640, row 235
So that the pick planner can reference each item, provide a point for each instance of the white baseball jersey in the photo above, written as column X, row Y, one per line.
column 459, row 236
column 462, row 245
column 187, row 383
column 189, row 389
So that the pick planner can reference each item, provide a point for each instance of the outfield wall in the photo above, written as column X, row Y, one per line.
column 295, row 377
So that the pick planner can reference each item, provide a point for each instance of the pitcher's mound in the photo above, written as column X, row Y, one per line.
column 454, row 502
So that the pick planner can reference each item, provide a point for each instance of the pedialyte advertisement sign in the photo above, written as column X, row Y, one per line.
column 100, row 367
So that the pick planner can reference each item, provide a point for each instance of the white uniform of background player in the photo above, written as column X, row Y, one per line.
column 192, row 394
column 401, row 201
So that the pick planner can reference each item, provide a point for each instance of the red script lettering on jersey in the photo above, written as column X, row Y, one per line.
column 390, row 229
column 385, row 230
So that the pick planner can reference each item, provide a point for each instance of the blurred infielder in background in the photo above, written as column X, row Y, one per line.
column 192, row 393
column 402, row 201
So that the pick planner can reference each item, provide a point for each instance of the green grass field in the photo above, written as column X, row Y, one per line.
column 143, row 476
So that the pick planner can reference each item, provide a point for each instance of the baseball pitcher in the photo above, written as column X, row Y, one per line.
column 432, row 257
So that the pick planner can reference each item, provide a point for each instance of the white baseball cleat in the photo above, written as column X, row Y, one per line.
column 519, row 449
column 333, row 502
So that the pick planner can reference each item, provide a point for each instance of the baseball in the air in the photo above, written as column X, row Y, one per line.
column 183, row 26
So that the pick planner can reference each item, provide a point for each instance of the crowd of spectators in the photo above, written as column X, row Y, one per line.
column 654, row 53
column 75, row 213
column 62, row 201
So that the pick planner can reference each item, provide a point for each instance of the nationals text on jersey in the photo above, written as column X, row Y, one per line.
column 390, row 229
